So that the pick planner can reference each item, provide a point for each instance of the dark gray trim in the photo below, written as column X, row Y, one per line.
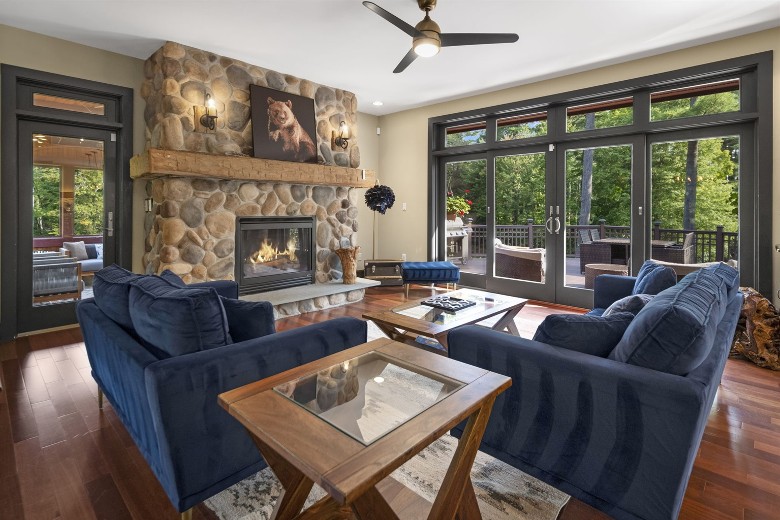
column 12, row 110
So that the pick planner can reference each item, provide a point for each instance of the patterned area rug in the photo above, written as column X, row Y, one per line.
column 503, row 492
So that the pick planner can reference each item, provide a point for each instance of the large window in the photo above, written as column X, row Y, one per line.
column 668, row 166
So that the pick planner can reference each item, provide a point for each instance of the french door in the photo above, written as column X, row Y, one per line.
column 531, row 212
column 66, row 193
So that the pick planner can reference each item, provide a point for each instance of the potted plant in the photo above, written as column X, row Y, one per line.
column 457, row 206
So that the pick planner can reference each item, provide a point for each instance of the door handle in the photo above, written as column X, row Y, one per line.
column 548, row 225
column 557, row 225
column 110, row 227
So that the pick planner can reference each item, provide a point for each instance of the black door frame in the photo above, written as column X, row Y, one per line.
column 18, row 85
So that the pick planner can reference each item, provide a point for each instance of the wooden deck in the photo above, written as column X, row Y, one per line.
column 477, row 265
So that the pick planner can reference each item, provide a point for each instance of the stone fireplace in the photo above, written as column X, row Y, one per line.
column 274, row 253
column 202, row 185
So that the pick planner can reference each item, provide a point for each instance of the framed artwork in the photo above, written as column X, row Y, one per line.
column 283, row 125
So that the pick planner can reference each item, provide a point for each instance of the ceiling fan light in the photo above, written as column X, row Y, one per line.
column 426, row 47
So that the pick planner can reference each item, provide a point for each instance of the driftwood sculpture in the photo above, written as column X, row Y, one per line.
column 758, row 331
column 348, row 257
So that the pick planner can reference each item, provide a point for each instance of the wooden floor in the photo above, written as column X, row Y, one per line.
column 60, row 457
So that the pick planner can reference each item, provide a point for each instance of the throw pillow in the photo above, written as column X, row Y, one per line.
column 177, row 320
column 91, row 251
column 654, row 278
column 595, row 335
column 632, row 304
column 99, row 249
column 675, row 332
column 247, row 319
column 77, row 250
column 111, row 290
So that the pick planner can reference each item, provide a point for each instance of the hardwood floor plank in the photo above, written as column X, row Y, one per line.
column 35, row 385
column 39, row 498
column 70, row 374
column 61, row 398
column 106, row 500
column 48, row 368
column 49, row 428
column 71, row 494
column 10, row 497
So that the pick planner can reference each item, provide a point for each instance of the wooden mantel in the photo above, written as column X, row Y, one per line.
column 157, row 163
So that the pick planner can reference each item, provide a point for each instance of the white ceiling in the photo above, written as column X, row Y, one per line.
column 342, row 44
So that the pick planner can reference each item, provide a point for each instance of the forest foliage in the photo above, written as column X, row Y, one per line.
column 707, row 170
column 87, row 206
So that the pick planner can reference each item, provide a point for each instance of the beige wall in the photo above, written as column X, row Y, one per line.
column 36, row 51
column 403, row 149
column 369, row 159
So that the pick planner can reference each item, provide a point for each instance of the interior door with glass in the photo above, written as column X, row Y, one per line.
column 595, row 207
column 63, row 200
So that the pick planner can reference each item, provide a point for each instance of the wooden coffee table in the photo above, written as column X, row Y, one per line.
column 349, row 446
column 406, row 322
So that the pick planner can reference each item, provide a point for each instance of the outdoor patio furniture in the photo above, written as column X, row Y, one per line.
column 594, row 270
column 594, row 253
column 56, row 278
column 684, row 254
column 520, row 263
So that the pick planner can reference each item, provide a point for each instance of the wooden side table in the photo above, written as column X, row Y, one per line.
column 303, row 445
column 593, row 270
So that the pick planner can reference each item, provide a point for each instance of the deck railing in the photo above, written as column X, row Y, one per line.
column 710, row 246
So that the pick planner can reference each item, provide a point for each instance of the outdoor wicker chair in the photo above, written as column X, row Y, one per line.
column 520, row 263
column 594, row 253
column 684, row 254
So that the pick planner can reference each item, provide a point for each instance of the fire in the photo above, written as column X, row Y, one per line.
column 268, row 252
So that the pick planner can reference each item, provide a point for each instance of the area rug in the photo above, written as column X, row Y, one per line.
column 503, row 492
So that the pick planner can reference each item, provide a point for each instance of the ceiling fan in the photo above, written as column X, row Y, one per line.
column 428, row 38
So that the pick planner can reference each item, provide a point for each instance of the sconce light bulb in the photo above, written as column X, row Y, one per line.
column 210, row 102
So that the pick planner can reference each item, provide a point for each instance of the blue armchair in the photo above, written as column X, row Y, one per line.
column 168, row 403
column 621, row 432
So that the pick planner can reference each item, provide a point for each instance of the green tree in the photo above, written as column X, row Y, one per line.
column 88, row 202
column 46, row 201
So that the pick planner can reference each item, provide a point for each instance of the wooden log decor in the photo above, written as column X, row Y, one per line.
column 348, row 257
column 156, row 163
column 758, row 331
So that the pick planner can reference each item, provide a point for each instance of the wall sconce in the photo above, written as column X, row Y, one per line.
column 206, row 116
column 342, row 138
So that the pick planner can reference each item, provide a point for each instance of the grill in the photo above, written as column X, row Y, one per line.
column 458, row 240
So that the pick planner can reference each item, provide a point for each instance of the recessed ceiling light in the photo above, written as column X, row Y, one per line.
column 377, row 103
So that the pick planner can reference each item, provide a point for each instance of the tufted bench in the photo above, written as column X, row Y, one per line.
column 429, row 272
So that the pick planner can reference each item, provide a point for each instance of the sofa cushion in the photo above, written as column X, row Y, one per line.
column 92, row 265
column 99, row 250
column 91, row 251
column 78, row 250
column 112, row 291
column 595, row 335
column 177, row 320
column 172, row 278
column 633, row 304
column 674, row 333
column 653, row 278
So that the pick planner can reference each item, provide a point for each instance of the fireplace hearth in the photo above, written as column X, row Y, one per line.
column 274, row 253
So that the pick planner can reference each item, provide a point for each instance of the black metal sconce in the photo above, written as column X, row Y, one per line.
column 209, row 120
column 342, row 139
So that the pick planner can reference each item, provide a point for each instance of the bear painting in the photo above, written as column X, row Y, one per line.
column 283, row 125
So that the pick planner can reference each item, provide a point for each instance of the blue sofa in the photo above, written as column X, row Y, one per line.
column 620, row 430
column 167, row 402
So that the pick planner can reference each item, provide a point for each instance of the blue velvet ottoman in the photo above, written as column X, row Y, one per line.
column 429, row 272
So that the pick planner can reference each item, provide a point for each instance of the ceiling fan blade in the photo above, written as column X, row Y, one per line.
column 408, row 59
column 393, row 19
column 453, row 39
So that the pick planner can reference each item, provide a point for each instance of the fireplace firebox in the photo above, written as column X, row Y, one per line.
column 274, row 253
